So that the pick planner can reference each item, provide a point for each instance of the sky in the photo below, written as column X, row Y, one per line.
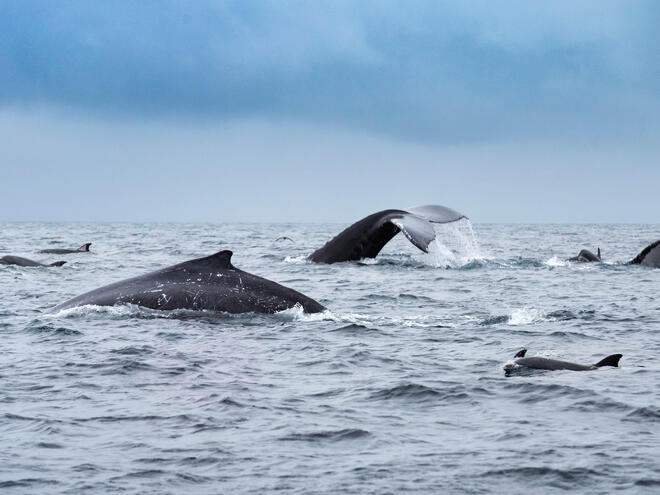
column 326, row 111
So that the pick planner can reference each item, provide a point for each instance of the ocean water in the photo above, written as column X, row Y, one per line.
column 398, row 388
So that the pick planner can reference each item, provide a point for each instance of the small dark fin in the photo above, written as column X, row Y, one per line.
column 612, row 360
column 85, row 247
column 284, row 238
column 222, row 258
column 57, row 263
column 521, row 353
column 598, row 252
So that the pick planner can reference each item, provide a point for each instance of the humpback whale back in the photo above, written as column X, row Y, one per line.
column 209, row 283
column 650, row 256
column 366, row 237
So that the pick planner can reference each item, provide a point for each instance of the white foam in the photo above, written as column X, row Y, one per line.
column 296, row 260
column 555, row 261
column 297, row 313
column 524, row 316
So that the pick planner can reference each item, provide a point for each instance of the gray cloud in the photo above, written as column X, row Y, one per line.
column 438, row 71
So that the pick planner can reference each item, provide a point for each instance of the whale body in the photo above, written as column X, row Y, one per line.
column 586, row 256
column 366, row 237
column 541, row 363
column 82, row 249
column 650, row 256
column 210, row 283
column 17, row 260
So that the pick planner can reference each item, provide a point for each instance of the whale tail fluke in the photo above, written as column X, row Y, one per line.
column 612, row 360
column 366, row 237
column 521, row 353
column 436, row 213
column 85, row 247
column 57, row 263
column 417, row 230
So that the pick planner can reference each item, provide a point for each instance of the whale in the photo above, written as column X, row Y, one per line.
column 366, row 237
column 17, row 260
column 209, row 283
column 650, row 256
column 82, row 249
column 541, row 363
column 586, row 256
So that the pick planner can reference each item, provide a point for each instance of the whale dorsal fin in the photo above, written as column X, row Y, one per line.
column 598, row 254
column 85, row 247
column 521, row 353
column 612, row 360
column 221, row 259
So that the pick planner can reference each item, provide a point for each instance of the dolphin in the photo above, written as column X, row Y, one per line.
column 541, row 363
column 211, row 283
column 17, row 260
column 650, row 256
column 366, row 237
column 82, row 249
column 586, row 256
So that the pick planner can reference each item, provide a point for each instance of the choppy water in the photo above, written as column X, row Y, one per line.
column 399, row 388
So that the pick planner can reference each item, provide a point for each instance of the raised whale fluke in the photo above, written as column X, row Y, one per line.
column 209, row 283
column 82, row 249
column 366, row 237
column 650, row 256
column 541, row 363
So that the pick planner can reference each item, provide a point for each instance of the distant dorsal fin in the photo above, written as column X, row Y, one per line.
column 521, row 353
column 85, row 247
column 612, row 360
column 598, row 252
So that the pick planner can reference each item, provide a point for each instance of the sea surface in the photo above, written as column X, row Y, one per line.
column 398, row 388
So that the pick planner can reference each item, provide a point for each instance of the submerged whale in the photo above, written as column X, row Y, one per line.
column 366, row 237
column 82, row 249
column 650, row 256
column 586, row 256
column 206, row 283
column 17, row 260
column 541, row 363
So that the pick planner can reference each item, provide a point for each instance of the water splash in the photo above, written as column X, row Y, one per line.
column 525, row 316
column 455, row 245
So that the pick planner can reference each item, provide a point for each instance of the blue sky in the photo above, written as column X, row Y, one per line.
column 326, row 111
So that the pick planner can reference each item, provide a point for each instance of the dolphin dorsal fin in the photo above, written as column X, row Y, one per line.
column 222, row 259
column 85, row 247
column 521, row 353
column 612, row 360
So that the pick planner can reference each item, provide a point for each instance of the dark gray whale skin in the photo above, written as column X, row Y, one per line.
column 82, row 249
column 210, row 283
column 541, row 363
column 366, row 237
column 586, row 256
column 650, row 256
column 17, row 260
